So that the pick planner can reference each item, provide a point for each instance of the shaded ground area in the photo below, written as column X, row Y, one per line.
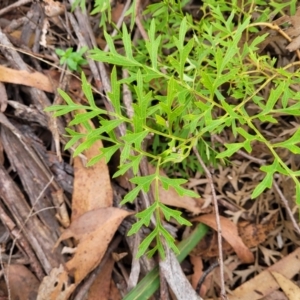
column 63, row 230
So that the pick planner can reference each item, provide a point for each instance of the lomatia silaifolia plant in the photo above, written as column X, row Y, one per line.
column 190, row 80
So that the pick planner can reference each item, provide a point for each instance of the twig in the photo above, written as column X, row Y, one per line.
column 215, row 202
column 138, row 21
column 13, row 6
column 205, row 274
column 286, row 204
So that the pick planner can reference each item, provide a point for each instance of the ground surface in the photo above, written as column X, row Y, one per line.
column 46, row 194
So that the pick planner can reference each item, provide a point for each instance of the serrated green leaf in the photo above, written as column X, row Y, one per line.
column 135, row 161
column 125, row 154
column 135, row 138
column 160, row 120
column 169, row 239
column 298, row 193
column 146, row 214
column 115, row 59
column 64, row 109
column 143, row 181
column 247, row 146
column 135, row 227
column 267, row 118
column 175, row 183
column 184, row 53
column 153, row 44
column 245, row 134
column 185, row 192
column 126, row 41
column 66, row 97
column 106, row 152
column 265, row 183
column 182, row 33
column 172, row 213
column 110, row 44
column 274, row 96
column 146, row 243
column 290, row 144
column 114, row 95
column 75, row 138
column 131, row 196
column 88, row 143
column 167, row 182
column 122, row 170
column 83, row 117
column 87, row 90
column 231, row 149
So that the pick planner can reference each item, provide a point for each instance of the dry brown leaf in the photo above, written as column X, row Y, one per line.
column 53, row 8
column 254, row 234
column 34, row 79
column 56, row 286
column 100, row 288
column 93, row 231
column 264, row 283
column 230, row 234
column 23, row 284
column 114, row 291
column 197, row 263
column 92, row 188
column 290, row 288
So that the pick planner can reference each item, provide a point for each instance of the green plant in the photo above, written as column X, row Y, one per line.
column 192, row 80
column 74, row 60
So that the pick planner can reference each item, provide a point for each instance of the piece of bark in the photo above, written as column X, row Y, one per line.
column 38, row 235
column 34, row 176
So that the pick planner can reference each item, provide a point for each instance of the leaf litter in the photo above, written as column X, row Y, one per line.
column 256, row 231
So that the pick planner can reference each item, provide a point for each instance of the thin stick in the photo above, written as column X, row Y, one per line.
column 138, row 21
column 13, row 6
column 287, row 207
column 215, row 202
column 205, row 274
